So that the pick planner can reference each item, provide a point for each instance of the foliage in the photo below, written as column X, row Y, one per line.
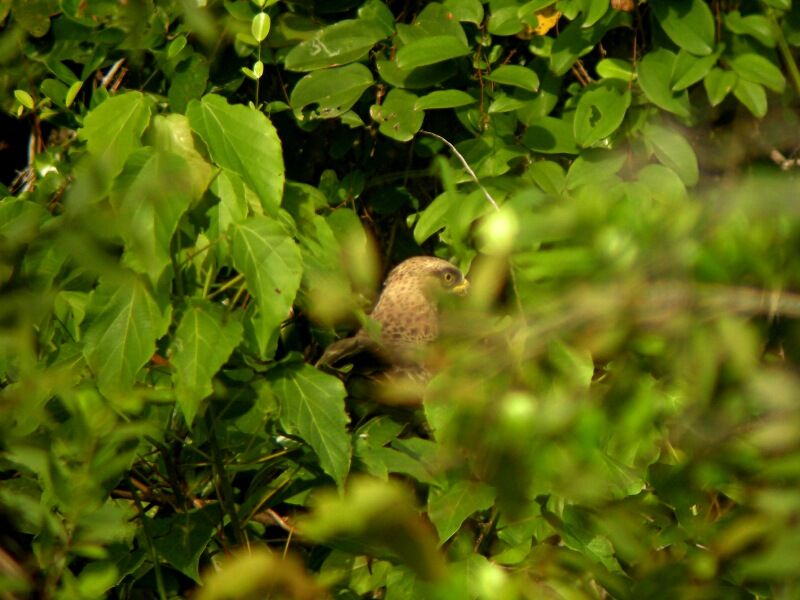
column 615, row 411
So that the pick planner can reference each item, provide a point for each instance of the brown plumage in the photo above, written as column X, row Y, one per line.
column 408, row 315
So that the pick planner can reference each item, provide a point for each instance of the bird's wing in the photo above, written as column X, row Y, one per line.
column 348, row 348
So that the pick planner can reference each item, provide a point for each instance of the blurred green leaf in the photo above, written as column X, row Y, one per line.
column 688, row 23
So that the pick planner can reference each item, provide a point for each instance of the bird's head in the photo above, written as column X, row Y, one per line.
column 427, row 274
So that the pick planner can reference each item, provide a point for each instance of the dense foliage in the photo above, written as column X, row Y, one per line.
column 210, row 194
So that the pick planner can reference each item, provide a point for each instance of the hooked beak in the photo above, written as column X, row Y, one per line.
column 461, row 289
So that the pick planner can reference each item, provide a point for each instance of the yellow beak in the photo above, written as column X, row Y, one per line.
column 461, row 289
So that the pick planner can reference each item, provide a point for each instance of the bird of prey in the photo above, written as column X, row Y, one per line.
column 407, row 313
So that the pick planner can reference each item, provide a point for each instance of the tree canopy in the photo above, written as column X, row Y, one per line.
column 200, row 196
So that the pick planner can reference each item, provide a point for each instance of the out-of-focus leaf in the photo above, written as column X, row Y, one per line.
column 718, row 84
column 673, row 151
column 449, row 507
column 149, row 197
column 551, row 136
column 758, row 69
column 444, row 99
column 752, row 95
column 114, row 129
column 375, row 518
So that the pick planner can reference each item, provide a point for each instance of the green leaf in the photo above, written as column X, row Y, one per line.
column 470, row 11
column 334, row 91
column 204, row 339
column 377, row 518
column 173, row 134
column 600, row 111
column 752, row 95
column 755, row 25
column 122, row 330
column 72, row 93
column 24, row 98
column 615, row 68
column 398, row 117
column 595, row 11
column 430, row 50
column 673, row 151
column 655, row 73
column 448, row 508
column 592, row 167
column 312, row 407
column 188, row 82
column 114, row 129
column 243, row 140
column 259, row 27
column 549, row 176
column 181, row 539
column 338, row 44
column 551, row 136
column 758, row 69
column 149, row 197
column 521, row 77
column 270, row 260
column 505, row 20
column 689, row 69
column 575, row 41
column 688, row 23
column 444, row 99
column 718, row 84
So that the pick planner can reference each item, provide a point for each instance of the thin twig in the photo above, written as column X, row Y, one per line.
column 467, row 168
column 111, row 72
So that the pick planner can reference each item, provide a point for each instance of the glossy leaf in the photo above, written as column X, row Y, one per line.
column 688, row 23
column 752, row 95
column 448, row 508
column 516, row 76
column 398, row 116
column 338, row 44
column 655, row 71
column 312, row 407
column 719, row 83
column 758, row 69
column 444, row 99
column 430, row 50
column 600, row 112
column 333, row 91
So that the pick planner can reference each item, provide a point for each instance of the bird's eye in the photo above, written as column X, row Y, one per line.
column 448, row 277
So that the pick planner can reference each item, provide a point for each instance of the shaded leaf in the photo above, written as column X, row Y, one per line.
column 270, row 260
column 204, row 339
column 125, row 322
column 312, row 407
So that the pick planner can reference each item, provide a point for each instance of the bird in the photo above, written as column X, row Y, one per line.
column 407, row 314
